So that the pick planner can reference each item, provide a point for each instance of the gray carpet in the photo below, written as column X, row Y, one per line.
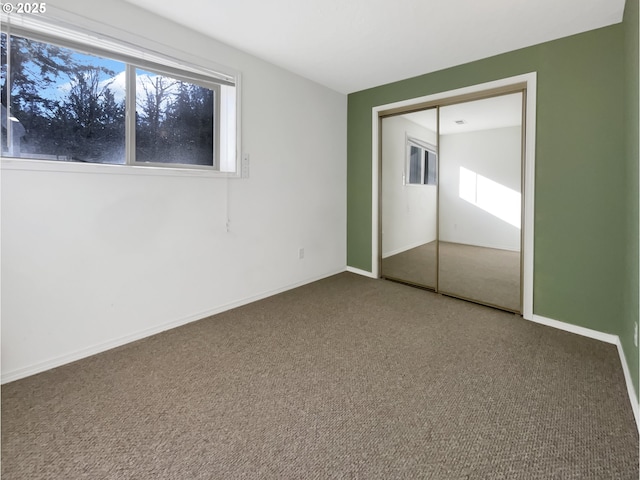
column 487, row 275
column 348, row 378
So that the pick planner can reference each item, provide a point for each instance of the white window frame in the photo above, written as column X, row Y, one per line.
column 424, row 147
column 227, row 107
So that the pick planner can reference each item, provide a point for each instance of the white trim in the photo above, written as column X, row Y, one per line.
column 101, row 347
column 420, row 143
column 604, row 337
column 357, row 271
column 568, row 327
column 631, row 391
column 529, row 193
column 110, row 169
column 529, row 181
column 636, row 400
column 375, row 193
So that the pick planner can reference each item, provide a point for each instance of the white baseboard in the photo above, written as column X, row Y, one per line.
column 630, row 388
column 19, row 373
column 357, row 271
column 604, row 337
column 568, row 327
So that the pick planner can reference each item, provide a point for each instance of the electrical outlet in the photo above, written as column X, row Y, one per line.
column 301, row 253
column 635, row 334
column 244, row 172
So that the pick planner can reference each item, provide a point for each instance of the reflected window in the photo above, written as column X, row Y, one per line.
column 422, row 163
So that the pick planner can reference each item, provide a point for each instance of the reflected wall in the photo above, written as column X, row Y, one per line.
column 480, row 224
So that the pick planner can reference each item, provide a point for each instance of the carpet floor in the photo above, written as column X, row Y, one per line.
column 348, row 377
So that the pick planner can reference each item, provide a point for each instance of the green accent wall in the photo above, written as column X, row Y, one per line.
column 630, row 298
column 581, row 172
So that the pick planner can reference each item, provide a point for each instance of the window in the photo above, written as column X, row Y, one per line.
column 76, row 102
column 422, row 164
column 174, row 121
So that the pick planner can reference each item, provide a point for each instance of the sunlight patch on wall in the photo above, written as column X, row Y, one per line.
column 492, row 197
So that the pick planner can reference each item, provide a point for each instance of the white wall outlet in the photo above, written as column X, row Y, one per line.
column 244, row 167
column 635, row 334
column 301, row 253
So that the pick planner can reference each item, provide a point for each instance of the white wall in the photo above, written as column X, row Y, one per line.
column 408, row 211
column 494, row 154
column 92, row 259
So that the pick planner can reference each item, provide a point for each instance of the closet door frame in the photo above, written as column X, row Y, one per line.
column 522, row 83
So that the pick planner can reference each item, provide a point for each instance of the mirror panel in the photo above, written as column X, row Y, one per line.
column 480, row 201
column 409, row 175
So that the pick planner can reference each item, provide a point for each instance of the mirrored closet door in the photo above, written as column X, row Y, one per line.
column 480, row 202
column 409, row 172
column 451, row 199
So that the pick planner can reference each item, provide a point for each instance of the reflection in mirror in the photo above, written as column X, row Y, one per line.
column 480, row 201
column 409, row 198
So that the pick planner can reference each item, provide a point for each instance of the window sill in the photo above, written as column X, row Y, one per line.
column 8, row 163
column 419, row 185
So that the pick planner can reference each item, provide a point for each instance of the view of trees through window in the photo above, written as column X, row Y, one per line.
column 71, row 106
column 174, row 120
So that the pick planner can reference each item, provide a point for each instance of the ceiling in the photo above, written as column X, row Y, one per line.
column 485, row 114
column 351, row 45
